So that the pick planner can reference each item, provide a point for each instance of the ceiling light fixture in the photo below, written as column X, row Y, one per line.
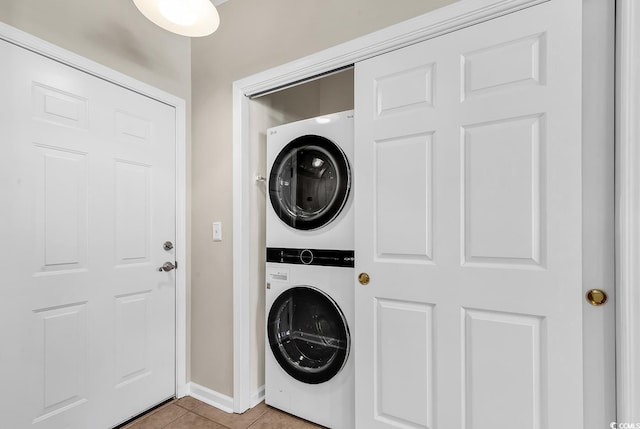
column 193, row 18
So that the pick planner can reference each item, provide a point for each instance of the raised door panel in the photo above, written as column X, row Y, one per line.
column 133, row 336
column 503, row 355
column 403, row 180
column 503, row 196
column 132, row 212
column 61, row 353
column 405, row 90
column 61, row 207
column 401, row 361
column 504, row 66
column 59, row 107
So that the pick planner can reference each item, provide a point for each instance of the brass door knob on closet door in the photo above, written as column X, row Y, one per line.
column 596, row 297
column 363, row 278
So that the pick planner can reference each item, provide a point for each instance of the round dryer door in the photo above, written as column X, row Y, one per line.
column 310, row 182
column 308, row 334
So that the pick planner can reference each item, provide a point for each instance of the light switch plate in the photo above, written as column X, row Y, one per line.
column 217, row 231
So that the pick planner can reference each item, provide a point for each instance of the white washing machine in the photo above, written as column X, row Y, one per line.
column 309, row 166
column 309, row 369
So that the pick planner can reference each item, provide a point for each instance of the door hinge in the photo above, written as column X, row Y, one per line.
column 176, row 264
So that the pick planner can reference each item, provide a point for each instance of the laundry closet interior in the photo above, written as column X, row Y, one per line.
column 317, row 97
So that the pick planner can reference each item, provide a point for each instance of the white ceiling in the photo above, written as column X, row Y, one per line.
column 218, row 2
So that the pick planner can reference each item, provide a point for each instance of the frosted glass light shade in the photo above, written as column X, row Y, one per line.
column 193, row 18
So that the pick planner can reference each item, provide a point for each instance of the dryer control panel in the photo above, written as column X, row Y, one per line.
column 324, row 257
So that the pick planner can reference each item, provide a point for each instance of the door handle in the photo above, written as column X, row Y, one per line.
column 167, row 266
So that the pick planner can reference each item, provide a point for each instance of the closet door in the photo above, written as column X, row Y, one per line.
column 468, row 191
column 88, row 199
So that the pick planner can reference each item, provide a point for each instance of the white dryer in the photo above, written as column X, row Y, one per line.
column 309, row 166
column 309, row 364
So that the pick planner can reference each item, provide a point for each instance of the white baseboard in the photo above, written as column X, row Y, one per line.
column 257, row 397
column 218, row 400
column 211, row 397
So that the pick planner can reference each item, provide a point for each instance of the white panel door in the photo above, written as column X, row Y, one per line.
column 468, row 221
column 88, row 199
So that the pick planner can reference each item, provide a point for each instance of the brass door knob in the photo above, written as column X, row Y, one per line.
column 596, row 297
column 363, row 278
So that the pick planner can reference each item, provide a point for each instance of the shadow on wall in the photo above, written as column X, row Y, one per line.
column 143, row 46
column 121, row 41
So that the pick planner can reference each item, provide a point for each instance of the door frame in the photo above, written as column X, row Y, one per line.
column 39, row 46
column 441, row 21
column 628, row 209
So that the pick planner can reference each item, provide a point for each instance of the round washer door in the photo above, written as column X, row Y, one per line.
column 308, row 334
column 310, row 182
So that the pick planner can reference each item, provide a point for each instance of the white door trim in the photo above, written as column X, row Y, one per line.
column 628, row 210
column 46, row 49
column 438, row 22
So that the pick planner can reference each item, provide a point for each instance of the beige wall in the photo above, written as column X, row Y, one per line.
column 254, row 35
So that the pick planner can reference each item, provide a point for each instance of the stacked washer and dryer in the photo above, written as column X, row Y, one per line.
column 309, row 369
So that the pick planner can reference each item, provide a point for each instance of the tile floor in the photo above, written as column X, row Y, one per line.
column 189, row 413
